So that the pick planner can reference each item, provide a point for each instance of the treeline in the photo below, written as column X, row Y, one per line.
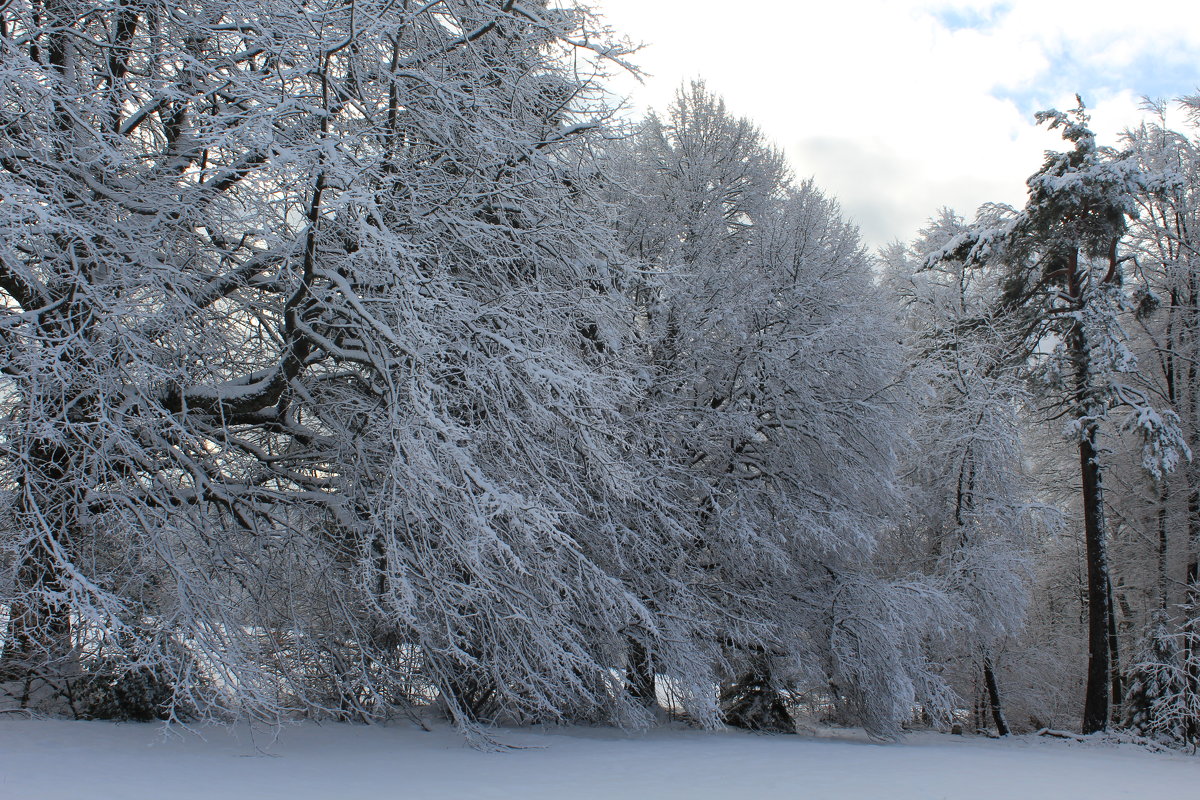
column 357, row 362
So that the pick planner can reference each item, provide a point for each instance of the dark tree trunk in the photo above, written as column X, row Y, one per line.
column 1097, row 693
column 472, row 694
column 1192, row 574
column 1192, row 597
column 1176, row 341
column 993, row 690
column 1191, row 414
column 1086, row 408
column 639, row 675
column 1163, row 541
column 1114, row 655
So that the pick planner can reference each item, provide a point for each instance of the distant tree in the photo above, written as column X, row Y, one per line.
column 688, row 192
column 773, row 357
column 973, row 518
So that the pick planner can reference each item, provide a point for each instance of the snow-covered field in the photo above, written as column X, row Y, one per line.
column 56, row 760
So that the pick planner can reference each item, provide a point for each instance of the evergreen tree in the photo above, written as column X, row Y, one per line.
column 1064, row 288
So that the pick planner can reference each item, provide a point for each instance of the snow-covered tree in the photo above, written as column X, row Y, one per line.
column 1159, row 579
column 972, row 518
column 1062, row 292
column 773, row 356
column 318, row 366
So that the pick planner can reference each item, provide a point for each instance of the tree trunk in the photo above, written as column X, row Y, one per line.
column 1097, row 693
column 1192, row 573
column 639, row 675
column 993, row 690
column 1114, row 654
column 1191, row 414
column 1192, row 597
column 37, row 642
column 1086, row 408
column 1164, row 586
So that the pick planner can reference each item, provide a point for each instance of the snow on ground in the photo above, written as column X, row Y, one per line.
column 61, row 760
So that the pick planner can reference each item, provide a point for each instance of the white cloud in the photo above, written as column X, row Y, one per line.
column 900, row 106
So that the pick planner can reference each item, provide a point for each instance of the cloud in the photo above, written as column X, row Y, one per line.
column 898, row 107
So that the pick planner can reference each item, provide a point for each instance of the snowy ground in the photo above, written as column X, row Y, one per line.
column 56, row 760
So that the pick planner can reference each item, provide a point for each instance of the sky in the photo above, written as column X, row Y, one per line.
column 900, row 107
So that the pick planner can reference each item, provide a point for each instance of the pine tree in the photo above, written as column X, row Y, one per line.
column 1063, row 287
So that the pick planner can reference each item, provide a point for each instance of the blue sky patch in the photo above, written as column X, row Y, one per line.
column 974, row 19
column 1156, row 75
